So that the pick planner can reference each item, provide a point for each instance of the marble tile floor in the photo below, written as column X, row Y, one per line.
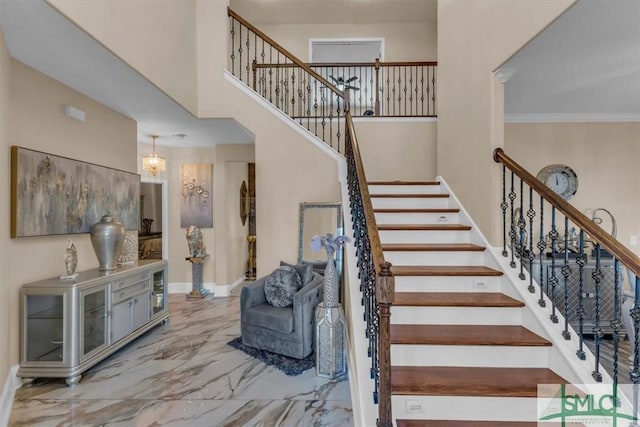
column 184, row 374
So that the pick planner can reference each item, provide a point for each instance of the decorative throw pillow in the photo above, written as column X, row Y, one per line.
column 304, row 270
column 281, row 285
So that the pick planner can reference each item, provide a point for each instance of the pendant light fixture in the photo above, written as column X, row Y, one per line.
column 153, row 163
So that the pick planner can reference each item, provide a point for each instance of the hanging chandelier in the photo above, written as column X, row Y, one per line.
column 153, row 163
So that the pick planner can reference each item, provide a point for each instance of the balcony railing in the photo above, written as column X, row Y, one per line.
column 381, row 89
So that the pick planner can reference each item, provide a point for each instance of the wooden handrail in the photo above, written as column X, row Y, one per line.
column 597, row 234
column 284, row 51
column 372, row 229
column 355, row 64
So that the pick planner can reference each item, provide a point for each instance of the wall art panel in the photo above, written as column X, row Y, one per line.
column 57, row 195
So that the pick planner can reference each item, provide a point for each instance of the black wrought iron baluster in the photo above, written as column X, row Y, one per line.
column 616, row 325
column 542, row 245
column 428, row 91
column 393, row 90
column 581, row 260
column 248, row 66
column 512, row 231
column 240, row 50
column 338, row 133
column 433, row 92
column 597, row 329
column 404, row 90
column 278, row 85
column 634, row 376
column 270, row 74
column 315, row 106
column 255, row 55
column 553, row 280
column 566, row 272
column 400, row 90
column 293, row 90
column 504, row 205
column 323, row 104
column 522, row 233
column 421, row 97
column 233, row 48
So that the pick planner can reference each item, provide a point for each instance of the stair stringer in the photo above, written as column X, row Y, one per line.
column 562, row 354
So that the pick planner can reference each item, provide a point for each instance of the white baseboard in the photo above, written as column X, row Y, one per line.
column 237, row 282
column 12, row 383
column 185, row 288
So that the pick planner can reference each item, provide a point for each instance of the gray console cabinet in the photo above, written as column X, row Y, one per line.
column 66, row 327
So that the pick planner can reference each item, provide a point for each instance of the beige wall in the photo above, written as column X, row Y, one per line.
column 8, row 348
column 164, row 50
column 475, row 38
column 36, row 120
column 402, row 41
column 231, row 254
column 605, row 156
column 237, row 249
column 413, row 144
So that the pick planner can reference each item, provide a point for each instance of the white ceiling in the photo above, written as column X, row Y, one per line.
column 586, row 64
column 584, row 67
column 40, row 37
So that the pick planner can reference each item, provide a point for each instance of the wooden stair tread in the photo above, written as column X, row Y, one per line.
column 501, row 335
column 432, row 247
column 454, row 299
column 418, row 210
column 444, row 270
column 459, row 423
column 411, row 196
column 423, row 227
column 403, row 183
column 470, row 381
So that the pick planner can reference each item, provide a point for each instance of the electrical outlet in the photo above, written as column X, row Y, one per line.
column 413, row 406
column 633, row 240
column 443, row 218
column 479, row 284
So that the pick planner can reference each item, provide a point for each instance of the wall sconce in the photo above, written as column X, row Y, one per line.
column 153, row 163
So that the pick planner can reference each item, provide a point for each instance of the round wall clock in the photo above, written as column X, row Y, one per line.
column 561, row 179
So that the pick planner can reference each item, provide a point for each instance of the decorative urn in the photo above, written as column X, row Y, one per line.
column 107, row 237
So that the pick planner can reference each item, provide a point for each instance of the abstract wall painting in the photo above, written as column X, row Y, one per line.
column 196, row 198
column 56, row 195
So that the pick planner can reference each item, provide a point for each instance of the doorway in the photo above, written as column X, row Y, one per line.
column 153, row 232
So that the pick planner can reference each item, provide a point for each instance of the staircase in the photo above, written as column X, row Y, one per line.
column 459, row 353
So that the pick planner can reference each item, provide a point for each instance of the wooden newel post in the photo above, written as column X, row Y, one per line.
column 385, row 290
column 254, row 67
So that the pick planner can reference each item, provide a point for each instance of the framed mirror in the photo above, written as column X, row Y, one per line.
column 319, row 219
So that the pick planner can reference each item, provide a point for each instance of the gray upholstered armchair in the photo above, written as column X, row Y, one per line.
column 284, row 330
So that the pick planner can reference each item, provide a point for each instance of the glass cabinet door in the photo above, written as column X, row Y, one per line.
column 93, row 320
column 44, row 328
column 158, row 293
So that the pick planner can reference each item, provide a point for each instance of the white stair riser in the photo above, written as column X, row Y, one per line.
column 455, row 315
column 465, row 408
column 447, row 284
column 418, row 236
column 404, row 189
column 417, row 218
column 410, row 202
column 434, row 258
column 461, row 355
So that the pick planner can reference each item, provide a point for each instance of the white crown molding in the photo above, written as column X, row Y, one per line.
column 570, row 118
column 504, row 74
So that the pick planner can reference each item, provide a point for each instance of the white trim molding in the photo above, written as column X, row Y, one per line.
column 11, row 384
column 571, row 118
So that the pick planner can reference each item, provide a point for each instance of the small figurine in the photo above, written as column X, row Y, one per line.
column 71, row 258
column 194, row 239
